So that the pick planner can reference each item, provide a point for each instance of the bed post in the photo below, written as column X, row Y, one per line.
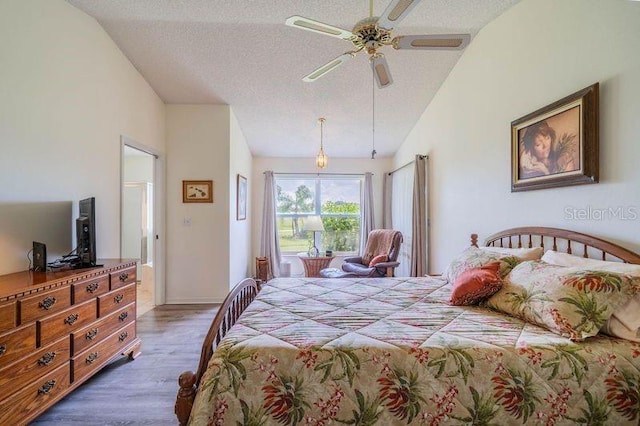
column 186, row 396
column 234, row 304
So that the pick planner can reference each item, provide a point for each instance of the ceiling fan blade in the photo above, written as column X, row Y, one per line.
column 329, row 66
column 381, row 71
column 432, row 41
column 396, row 12
column 318, row 27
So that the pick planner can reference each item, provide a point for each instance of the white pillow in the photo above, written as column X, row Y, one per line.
column 625, row 322
column 565, row 259
column 534, row 253
column 616, row 328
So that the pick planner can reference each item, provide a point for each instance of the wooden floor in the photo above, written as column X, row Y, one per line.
column 143, row 391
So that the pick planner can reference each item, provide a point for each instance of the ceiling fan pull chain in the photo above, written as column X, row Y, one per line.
column 373, row 114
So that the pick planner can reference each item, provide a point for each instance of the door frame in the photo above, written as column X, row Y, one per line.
column 158, row 213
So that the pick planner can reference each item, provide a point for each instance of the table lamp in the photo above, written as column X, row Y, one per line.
column 313, row 223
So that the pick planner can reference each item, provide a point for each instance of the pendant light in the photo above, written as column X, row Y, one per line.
column 321, row 158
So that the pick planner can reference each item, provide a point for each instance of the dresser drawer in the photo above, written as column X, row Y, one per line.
column 65, row 322
column 99, row 330
column 34, row 397
column 45, row 360
column 123, row 277
column 88, row 289
column 8, row 316
column 43, row 304
column 87, row 362
column 116, row 299
column 16, row 343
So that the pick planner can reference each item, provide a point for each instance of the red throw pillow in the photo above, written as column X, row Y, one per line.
column 379, row 258
column 476, row 284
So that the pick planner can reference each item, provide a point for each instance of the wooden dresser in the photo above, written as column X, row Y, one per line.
column 59, row 328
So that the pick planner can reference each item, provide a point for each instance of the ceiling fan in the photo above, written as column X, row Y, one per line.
column 372, row 33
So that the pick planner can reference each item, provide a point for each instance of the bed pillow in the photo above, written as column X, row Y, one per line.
column 570, row 301
column 476, row 284
column 534, row 253
column 474, row 257
column 378, row 259
column 624, row 322
column 565, row 259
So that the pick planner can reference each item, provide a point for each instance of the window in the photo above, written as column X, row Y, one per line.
column 335, row 199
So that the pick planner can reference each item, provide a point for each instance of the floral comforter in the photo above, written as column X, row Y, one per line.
column 386, row 351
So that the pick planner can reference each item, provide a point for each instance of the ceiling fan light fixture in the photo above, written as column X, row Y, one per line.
column 321, row 158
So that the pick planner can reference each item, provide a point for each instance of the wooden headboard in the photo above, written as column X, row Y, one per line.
column 559, row 239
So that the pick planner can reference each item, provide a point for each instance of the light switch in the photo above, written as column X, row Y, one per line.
column 186, row 221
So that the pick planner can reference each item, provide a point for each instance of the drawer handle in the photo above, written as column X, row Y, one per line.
column 92, row 357
column 46, row 388
column 118, row 298
column 47, row 358
column 124, row 276
column 47, row 303
column 71, row 319
column 91, row 334
column 3, row 349
column 123, row 336
column 123, row 316
column 91, row 288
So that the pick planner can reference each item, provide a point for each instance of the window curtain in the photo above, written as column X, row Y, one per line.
column 269, row 245
column 401, row 213
column 419, row 248
column 386, row 201
column 367, row 220
column 407, row 204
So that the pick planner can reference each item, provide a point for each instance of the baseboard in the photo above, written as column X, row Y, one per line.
column 195, row 301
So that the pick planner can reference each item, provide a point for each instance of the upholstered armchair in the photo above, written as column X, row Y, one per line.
column 378, row 260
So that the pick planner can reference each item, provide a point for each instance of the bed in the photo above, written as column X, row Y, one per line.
column 394, row 351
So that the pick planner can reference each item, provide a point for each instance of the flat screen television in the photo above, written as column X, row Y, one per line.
column 86, row 233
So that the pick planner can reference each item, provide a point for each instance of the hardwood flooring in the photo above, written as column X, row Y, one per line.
column 143, row 391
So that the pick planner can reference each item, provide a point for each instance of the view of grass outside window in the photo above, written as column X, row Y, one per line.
column 335, row 199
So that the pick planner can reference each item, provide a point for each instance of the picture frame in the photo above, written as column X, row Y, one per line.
column 557, row 145
column 241, row 198
column 197, row 191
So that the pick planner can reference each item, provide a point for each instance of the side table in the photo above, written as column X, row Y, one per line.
column 314, row 264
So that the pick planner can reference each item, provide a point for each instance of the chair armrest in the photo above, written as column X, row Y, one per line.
column 387, row 264
column 355, row 259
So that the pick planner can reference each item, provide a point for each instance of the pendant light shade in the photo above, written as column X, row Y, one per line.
column 321, row 158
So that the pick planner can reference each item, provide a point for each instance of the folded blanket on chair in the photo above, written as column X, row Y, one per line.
column 380, row 241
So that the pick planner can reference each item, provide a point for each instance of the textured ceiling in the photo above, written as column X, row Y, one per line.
column 241, row 53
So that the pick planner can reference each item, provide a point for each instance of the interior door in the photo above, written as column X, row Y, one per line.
column 137, row 238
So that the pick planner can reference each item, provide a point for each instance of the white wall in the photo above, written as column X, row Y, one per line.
column 67, row 94
column 240, row 161
column 307, row 165
column 538, row 52
column 197, row 267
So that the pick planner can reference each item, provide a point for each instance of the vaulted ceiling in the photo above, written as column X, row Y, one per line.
column 242, row 54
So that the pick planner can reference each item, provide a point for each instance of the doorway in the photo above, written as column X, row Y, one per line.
column 138, row 229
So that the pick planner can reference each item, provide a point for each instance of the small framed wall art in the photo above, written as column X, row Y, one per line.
column 241, row 201
column 197, row 191
column 557, row 145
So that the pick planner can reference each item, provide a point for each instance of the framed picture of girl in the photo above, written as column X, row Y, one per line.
column 557, row 145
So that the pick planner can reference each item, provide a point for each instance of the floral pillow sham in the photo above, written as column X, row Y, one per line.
column 474, row 257
column 571, row 301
